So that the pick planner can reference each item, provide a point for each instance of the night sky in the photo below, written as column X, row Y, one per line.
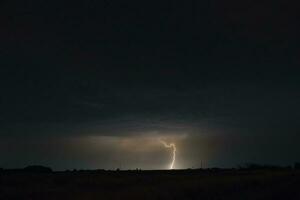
column 96, row 84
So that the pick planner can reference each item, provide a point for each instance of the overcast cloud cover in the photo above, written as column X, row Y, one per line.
column 95, row 84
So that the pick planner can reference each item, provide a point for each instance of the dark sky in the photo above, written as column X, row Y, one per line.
column 96, row 84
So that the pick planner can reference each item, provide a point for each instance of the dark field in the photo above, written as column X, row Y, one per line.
column 181, row 184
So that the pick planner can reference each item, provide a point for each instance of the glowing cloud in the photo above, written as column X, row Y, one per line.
column 173, row 147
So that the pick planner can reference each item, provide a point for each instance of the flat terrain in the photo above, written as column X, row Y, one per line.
column 152, row 185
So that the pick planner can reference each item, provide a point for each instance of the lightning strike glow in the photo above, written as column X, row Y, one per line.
column 173, row 147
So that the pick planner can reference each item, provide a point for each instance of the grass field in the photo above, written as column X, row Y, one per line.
column 152, row 185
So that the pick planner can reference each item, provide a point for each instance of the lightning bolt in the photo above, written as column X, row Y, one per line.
column 173, row 147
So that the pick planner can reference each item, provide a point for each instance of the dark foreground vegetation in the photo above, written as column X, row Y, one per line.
column 36, row 183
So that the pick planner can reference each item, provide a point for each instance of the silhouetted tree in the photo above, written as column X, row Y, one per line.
column 37, row 169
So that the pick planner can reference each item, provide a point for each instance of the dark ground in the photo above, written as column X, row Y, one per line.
column 181, row 184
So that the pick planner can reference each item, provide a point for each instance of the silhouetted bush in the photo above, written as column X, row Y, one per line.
column 254, row 166
column 297, row 165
